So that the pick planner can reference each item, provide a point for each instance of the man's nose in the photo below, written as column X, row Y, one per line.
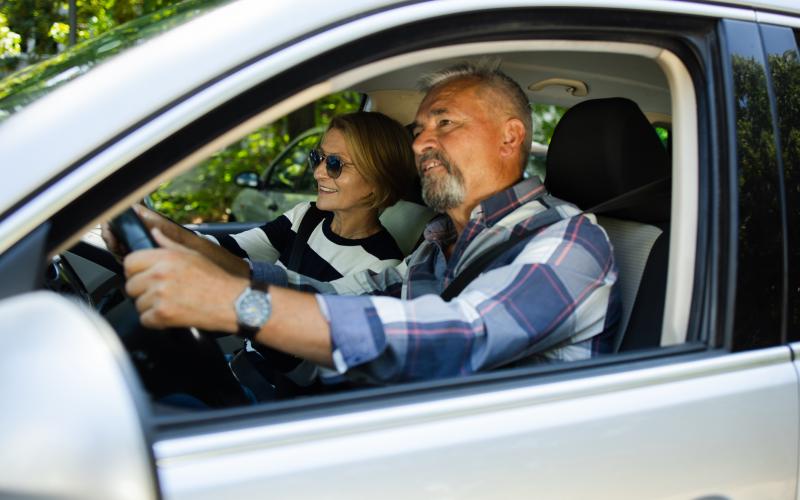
column 423, row 142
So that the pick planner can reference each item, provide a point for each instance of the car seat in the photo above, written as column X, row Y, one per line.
column 606, row 157
column 406, row 219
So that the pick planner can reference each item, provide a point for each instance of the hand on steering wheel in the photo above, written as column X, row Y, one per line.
column 191, row 359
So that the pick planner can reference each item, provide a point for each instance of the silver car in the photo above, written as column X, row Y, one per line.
column 701, row 399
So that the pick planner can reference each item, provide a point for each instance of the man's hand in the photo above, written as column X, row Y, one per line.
column 151, row 221
column 175, row 286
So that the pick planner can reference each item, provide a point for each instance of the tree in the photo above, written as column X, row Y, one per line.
column 34, row 30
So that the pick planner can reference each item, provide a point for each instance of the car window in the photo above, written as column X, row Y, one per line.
column 758, row 309
column 783, row 60
column 290, row 170
column 276, row 154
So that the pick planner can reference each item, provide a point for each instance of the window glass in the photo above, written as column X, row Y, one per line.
column 757, row 320
column 545, row 117
column 290, row 170
column 275, row 153
column 780, row 45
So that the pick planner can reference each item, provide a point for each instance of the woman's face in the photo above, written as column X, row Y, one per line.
column 347, row 192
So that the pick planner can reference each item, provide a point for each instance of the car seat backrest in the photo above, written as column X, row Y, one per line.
column 633, row 243
column 603, row 149
column 405, row 221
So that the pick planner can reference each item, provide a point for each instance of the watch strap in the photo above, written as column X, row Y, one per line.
column 247, row 332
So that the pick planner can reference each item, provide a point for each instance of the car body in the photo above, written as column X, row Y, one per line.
column 711, row 411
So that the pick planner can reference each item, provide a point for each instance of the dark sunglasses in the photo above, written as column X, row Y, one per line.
column 333, row 163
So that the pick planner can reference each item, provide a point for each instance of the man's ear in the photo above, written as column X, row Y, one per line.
column 513, row 135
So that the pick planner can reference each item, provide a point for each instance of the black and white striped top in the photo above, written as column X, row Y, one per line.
column 326, row 256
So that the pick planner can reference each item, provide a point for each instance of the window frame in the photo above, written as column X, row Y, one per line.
column 271, row 98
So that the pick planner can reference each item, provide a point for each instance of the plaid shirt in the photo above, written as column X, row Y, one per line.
column 549, row 297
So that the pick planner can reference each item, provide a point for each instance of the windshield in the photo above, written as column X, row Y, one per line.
column 28, row 84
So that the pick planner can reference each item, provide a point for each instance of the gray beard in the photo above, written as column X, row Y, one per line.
column 444, row 193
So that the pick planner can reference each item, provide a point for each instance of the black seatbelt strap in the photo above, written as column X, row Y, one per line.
column 631, row 198
column 269, row 383
column 310, row 220
column 551, row 216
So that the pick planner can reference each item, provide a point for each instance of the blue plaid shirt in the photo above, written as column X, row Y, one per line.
column 549, row 297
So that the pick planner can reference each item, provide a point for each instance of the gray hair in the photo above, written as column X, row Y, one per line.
column 487, row 72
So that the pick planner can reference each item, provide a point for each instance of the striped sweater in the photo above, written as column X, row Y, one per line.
column 326, row 256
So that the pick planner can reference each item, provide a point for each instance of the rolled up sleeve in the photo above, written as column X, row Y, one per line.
column 355, row 329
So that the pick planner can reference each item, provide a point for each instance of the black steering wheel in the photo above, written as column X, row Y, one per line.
column 175, row 362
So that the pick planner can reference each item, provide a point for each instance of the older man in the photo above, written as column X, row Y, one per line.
column 548, row 297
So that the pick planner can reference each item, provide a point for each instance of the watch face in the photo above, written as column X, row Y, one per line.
column 253, row 308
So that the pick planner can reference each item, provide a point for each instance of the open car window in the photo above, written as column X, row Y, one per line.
column 659, row 319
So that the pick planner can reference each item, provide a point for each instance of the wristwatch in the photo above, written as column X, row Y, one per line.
column 253, row 308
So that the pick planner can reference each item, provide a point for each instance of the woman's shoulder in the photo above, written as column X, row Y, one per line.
column 297, row 213
column 383, row 246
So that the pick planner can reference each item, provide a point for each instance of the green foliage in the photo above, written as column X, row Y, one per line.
column 663, row 135
column 43, row 25
column 760, row 227
column 785, row 72
column 206, row 192
column 9, row 40
column 545, row 117
column 44, row 32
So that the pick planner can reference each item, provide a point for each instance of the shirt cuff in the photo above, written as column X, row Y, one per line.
column 265, row 272
column 356, row 331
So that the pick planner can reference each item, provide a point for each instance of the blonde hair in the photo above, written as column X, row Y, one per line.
column 380, row 149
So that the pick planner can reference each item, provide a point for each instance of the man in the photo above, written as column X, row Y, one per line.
column 550, row 297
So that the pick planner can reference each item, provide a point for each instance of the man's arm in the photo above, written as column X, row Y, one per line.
column 557, row 293
column 177, row 286
column 387, row 282
column 553, row 300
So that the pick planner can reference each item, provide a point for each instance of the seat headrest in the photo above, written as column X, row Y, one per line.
column 604, row 148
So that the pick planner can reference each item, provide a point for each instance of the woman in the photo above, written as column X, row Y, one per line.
column 368, row 165
column 364, row 164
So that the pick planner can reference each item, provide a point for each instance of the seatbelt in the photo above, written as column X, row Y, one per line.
column 310, row 220
column 548, row 217
column 246, row 364
column 631, row 198
column 551, row 216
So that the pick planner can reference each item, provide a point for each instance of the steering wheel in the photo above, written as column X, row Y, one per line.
column 174, row 362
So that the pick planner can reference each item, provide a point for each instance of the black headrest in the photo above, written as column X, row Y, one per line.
column 604, row 148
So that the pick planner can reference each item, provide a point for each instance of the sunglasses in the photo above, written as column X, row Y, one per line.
column 333, row 163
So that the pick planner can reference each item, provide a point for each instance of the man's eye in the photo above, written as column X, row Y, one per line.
column 444, row 122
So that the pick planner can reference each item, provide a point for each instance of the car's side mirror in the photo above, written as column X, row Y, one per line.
column 248, row 179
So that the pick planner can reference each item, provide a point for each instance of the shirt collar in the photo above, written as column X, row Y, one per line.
column 497, row 206
column 492, row 209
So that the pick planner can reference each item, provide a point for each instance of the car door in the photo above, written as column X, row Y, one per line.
column 712, row 412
